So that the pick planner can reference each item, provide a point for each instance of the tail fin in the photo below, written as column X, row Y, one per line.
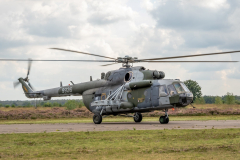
column 25, row 86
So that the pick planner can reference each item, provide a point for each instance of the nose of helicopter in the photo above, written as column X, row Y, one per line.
column 186, row 98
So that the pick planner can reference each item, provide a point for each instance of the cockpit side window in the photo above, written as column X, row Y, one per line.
column 172, row 90
column 179, row 88
column 163, row 91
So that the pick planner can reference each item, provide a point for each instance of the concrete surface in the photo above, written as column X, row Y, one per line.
column 118, row 126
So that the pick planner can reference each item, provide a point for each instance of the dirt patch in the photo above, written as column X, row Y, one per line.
column 58, row 112
column 44, row 114
column 196, row 112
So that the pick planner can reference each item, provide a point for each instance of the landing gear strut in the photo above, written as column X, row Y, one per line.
column 137, row 117
column 164, row 119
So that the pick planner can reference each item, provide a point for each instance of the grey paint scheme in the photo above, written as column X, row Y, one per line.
column 93, row 90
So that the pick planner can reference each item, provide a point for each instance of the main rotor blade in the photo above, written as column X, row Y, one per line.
column 57, row 60
column 81, row 52
column 108, row 64
column 190, row 61
column 190, row 55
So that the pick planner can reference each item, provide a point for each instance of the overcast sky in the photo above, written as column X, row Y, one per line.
column 138, row 28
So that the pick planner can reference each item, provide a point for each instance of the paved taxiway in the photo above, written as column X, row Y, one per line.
column 118, row 126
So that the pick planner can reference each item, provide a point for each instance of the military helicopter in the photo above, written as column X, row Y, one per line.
column 123, row 91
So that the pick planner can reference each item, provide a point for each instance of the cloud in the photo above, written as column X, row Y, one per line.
column 108, row 12
column 190, row 16
column 203, row 27
column 51, row 19
column 201, row 23
column 155, row 41
column 146, row 29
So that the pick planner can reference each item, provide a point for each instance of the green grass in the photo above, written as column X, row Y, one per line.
column 155, row 144
column 120, row 119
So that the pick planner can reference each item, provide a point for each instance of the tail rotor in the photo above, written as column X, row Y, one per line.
column 16, row 83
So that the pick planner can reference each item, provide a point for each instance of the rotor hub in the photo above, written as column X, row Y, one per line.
column 126, row 60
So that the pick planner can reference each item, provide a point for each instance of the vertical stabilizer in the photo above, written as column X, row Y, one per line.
column 25, row 86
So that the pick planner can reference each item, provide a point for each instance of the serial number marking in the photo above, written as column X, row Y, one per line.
column 67, row 90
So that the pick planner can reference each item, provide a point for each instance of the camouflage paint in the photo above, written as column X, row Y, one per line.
column 143, row 99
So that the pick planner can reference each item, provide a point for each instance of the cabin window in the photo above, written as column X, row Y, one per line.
column 163, row 91
column 172, row 90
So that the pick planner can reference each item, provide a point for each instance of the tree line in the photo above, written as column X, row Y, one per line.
column 195, row 88
column 229, row 98
column 51, row 103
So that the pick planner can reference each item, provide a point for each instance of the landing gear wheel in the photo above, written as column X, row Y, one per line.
column 164, row 120
column 97, row 118
column 137, row 117
column 161, row 119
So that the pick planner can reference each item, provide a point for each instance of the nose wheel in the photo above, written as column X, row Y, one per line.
column 164, row 119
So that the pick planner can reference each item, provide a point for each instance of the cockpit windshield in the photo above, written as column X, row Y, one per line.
column 184, row 87
column 179, row 88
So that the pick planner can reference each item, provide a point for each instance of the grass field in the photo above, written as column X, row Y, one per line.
column 120, row 119
column 155, row 144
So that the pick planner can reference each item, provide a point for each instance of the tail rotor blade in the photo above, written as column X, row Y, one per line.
column 15, row 84
column 29, row 66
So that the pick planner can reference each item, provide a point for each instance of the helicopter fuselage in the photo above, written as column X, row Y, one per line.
column 159, row 94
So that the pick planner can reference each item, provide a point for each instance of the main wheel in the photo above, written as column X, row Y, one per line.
column 137, row 117
column 161, row 119
column 97, row 118
column 164, row 120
